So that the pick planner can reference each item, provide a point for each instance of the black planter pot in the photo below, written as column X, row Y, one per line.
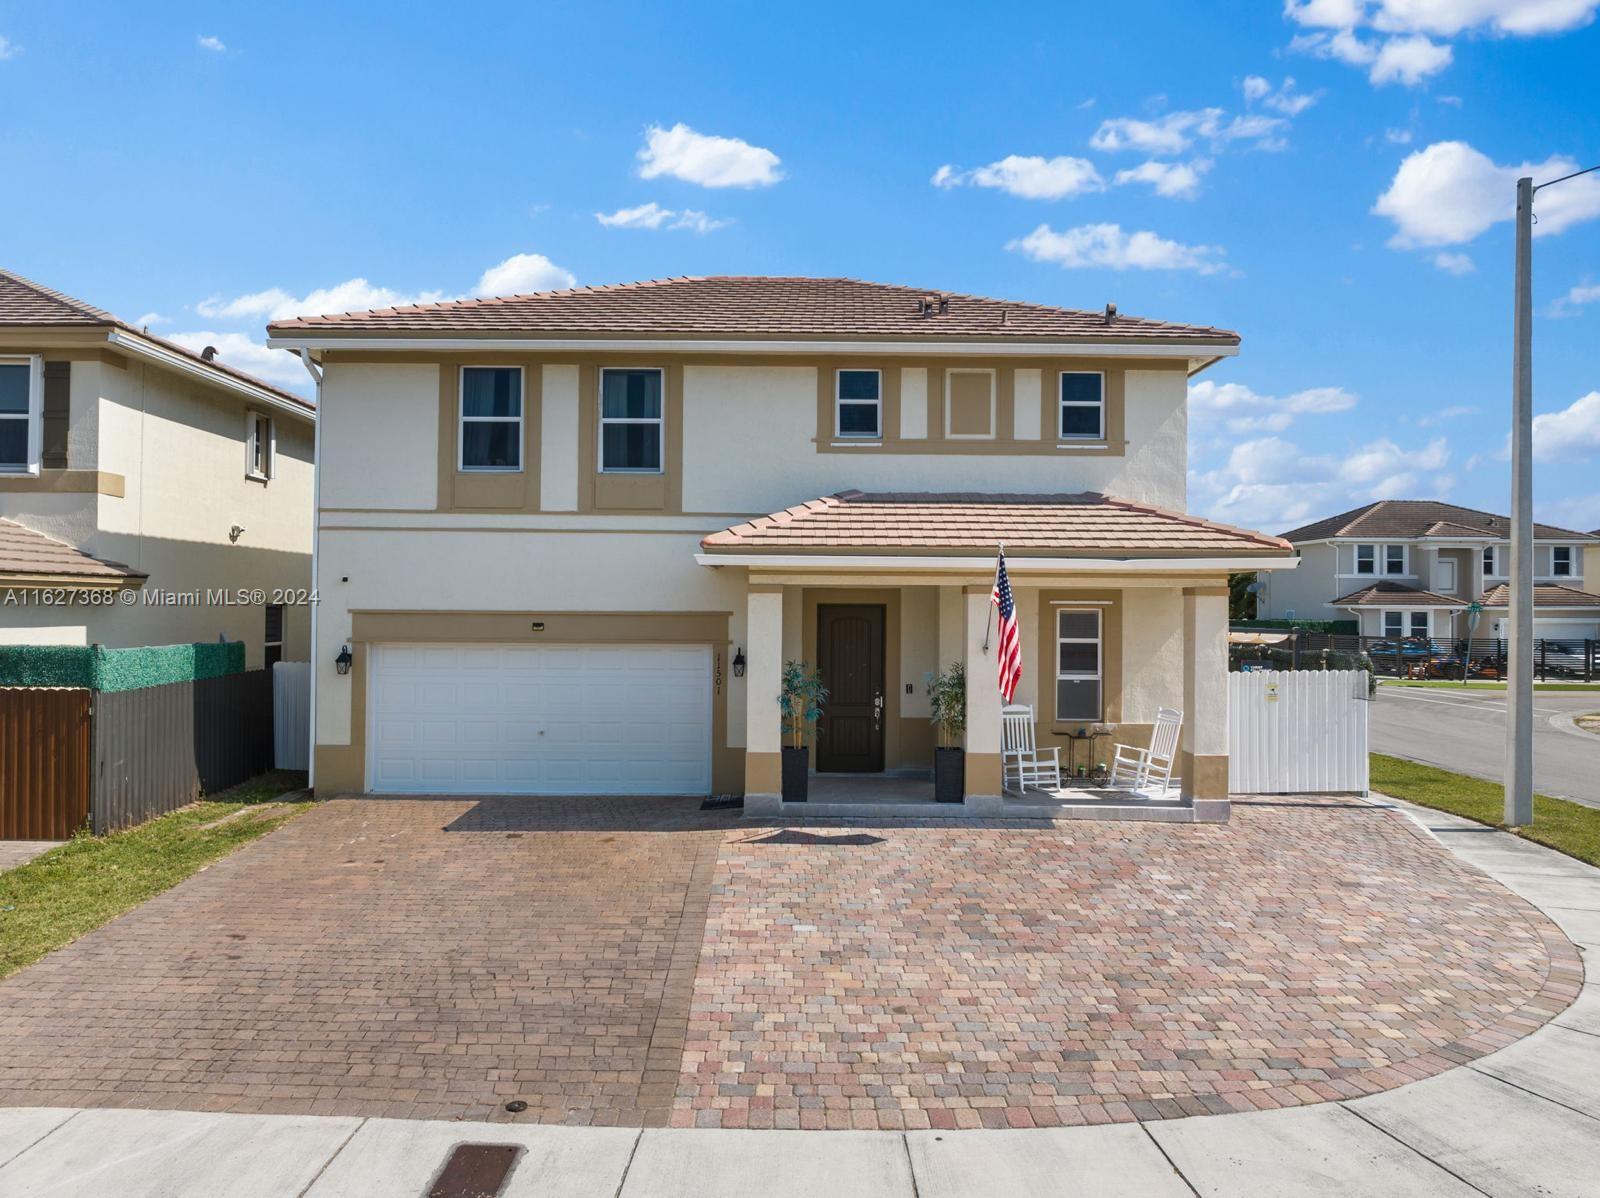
column 796, row 764
column 950, row 775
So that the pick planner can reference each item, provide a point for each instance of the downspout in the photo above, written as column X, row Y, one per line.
column 316, row 558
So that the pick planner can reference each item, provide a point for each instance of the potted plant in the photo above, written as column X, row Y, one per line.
column 947, row 693
column 800, row 701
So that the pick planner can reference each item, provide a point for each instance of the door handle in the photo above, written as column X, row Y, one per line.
column 877, row 710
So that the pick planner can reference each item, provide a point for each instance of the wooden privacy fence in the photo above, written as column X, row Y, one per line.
column 1297, row 731
column 117, row 758
column 44, row 762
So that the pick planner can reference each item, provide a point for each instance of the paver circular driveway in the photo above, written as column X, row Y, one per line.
column 639, row 961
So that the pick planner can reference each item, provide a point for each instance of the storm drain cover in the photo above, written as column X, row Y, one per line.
column 475, row 1171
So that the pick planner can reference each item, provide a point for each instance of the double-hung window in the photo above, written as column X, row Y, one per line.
column 260, row 442
column 1397, row 624
column 858, row 404
column 1561, row 561
column 272, row 635
column 1488, row 562
column 1083, row 406
column 1078, row 664
column 631, row 406
column 21, row 392
column 1366, row 559
column 491, row 418
column 1394, row 559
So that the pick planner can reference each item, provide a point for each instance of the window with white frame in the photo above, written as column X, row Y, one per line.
column 858, row 403
column 1083, row 405
column 1419, row 624
column 1366, row 559
column 260, row 439
column 1488, row 562
column 21, row 394
column 1078, row 674
column 272, row 635
column 1394, row 624
column 1398, row 624
column 1394, row 559
column 631, row 422
column 491, row 418
column 1561, row 561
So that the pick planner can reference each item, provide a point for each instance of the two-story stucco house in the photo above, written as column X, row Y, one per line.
column 570, row 539
column 1410, row 567
column 148, row 495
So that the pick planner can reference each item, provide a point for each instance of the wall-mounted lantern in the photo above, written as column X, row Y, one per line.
column 738, row 662
column 343, row 662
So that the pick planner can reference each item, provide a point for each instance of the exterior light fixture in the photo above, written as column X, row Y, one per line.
column 343, row 662
column 738, row 663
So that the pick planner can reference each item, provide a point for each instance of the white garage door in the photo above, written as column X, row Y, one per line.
column 546, row 719
column 1564, row 630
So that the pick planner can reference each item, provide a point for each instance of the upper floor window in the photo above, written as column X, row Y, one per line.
column 1083, row 405
column 858, row 403
column 1077, row 664
column 1488, row 562
column 21, row 389
column 1561, row 561
column 260, row 445
column 491, row 418
column 1394, row 559
column 631, row 421
column 1366, row 559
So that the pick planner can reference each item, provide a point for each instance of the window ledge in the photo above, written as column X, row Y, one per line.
column 1086, row 443
column 251, row 476
column 858, row 443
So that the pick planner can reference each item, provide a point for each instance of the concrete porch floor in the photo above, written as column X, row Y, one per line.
column 893, row 796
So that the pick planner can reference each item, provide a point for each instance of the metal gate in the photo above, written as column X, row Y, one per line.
column 1297, row 731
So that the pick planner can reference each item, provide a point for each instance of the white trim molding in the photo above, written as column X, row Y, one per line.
column 153, row 352
column 1015, row 565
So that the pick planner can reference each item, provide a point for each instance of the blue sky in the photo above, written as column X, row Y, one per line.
column 206, row 167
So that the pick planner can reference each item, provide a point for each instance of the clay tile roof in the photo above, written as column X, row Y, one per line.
column 1075, row 525
column 1394, row 594
column 1418, row 518
column 752, row 306
column 26, row 303
column 1545, row 594
column 32, row 554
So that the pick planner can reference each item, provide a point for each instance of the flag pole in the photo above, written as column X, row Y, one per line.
column 989, row 622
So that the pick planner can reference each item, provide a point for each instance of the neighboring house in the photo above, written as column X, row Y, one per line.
column 571, row 538
column 136, row 477
column 1410, row 567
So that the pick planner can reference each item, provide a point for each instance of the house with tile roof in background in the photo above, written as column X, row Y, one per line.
column 1411, row 567
column 568, row 541
column 149, row 495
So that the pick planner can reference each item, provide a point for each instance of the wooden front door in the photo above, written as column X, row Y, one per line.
column 850, row 656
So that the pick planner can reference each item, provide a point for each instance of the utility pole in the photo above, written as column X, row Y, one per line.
column 1519, row 684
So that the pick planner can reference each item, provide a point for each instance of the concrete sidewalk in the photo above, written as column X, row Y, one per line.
column 1524, row 1120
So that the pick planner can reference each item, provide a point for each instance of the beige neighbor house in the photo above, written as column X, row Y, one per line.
column 148, row 495
column 1410, row 567
column 571, row 538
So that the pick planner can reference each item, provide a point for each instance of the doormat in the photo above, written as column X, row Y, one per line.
column 723, row 803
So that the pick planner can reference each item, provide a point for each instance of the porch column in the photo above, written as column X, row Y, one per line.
column 763, row 736
column 1203, row 749
column 983, row 706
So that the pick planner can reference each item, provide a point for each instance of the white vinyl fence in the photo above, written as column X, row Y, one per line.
column 291, row 715
column 1297, row 731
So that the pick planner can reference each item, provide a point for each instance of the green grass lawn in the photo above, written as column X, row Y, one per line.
column 1570, row 827
column 55, row 898
column 1590, row 687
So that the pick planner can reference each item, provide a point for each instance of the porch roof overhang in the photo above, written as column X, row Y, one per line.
column 29, row 560
column 1394, row 595
column 960, row 533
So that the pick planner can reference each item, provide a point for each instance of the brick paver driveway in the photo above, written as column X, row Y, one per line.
column 639, row 961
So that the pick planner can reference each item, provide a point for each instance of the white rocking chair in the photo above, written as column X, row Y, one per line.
column 1020, row 757
column 1141, row 769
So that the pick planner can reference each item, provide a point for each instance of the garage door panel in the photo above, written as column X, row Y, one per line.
column 558, row 719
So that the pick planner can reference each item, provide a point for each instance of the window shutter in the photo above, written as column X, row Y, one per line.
column 56, row 414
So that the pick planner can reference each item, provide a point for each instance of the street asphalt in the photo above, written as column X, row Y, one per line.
column 1465, row 730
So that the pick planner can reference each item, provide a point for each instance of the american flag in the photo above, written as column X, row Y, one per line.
column 1010, row 656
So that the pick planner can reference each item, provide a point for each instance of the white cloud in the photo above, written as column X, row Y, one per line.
column 242, row 353
column 1581, row 512
column 1445, row 415
column 1397, row 137
column 1583, row 293
column 1284, row 98
column 709, row 161
column 1274, row 483
column 1106, row 245
column 1170, row 134
column 1447, row 18
column 1239, row 409
column 521, row 274
column 152, row 319
column 1029, row 178
column 1454, row 263
column 1409, row 60
column 1449, row 193
column 8, row 49
column 1326, row 14
column 1572, row 434
column 1178, row 180
column 654, row 216
column 214, row 44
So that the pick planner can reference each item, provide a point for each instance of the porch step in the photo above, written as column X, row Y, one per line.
column 1055, row 810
